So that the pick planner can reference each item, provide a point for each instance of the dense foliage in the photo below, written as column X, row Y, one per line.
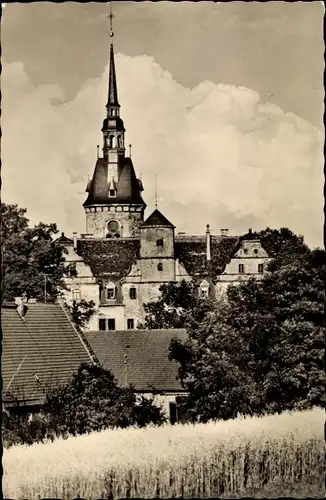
column 32, row 265
column 81, row 312
column 92, row 401
column 179, row 304
column 261, row 348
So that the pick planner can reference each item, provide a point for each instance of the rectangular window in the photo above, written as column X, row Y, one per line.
column 110, row 293
column 111, row 324
column 130, row 324
column 159, row 243
column 133, row 293
column 102, row 324
column 112, row 193
column 76, row 294
column 173, row 413
column 260, row 268
column 241, row 268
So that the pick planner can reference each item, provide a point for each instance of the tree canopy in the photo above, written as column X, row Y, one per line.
column 93, row 400
column 260, row 348
column 32, row 263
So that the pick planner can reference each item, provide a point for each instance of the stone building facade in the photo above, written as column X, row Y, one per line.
column 122, row 260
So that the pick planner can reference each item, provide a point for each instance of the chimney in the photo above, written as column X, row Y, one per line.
column 74, row 236
column 21, row 308
column 224, row 232
column 208, row 244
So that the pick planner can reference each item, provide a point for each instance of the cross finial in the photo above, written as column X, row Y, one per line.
column 130, row 146
column 111, row 16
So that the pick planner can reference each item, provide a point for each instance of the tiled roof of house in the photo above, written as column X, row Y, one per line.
column 157, row 219
column 148, row 365
column 109, row 258
column 39, row 351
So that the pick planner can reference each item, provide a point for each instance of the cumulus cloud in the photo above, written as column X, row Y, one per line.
column 222, row 156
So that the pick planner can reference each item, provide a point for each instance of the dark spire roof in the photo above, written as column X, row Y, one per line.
column 157, row 219
column 113, row 92
column 128, row 186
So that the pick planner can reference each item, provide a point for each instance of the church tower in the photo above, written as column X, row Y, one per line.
column 114, row 206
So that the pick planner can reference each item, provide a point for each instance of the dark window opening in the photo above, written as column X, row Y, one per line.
column 111, row 324
column 101, row 324
column 117, row 235
column 256, row 251
column 173, row 413
column 159, row 243
column 160, row 267
column 260, row 268
column 133, row 293
column 246, row 250
column 130, row 324
column 112, row 193
column 110, row 293
column 241, row 268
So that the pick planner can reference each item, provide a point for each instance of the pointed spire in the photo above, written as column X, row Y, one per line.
column 113, row 92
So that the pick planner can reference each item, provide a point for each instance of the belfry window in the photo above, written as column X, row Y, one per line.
column 112, row 193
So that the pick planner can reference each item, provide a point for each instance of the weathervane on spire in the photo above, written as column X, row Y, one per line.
column 111, row 16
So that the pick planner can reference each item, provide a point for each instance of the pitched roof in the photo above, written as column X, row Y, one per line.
column 63, row 240
column 191, row 253
column 112, row 258
column 39, row 351
column 148, row 365
column 157, row 219
column 128, row 187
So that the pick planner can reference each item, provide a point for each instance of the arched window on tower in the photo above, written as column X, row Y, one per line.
column 111, row 141
column 120, row 141
column 113, row 229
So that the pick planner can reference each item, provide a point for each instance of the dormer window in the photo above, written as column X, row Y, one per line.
column 159, row 243
column 110, row 293
column 204, row 289
column 112, row 193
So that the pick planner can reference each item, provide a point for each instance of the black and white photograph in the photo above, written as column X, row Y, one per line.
column 162, row 254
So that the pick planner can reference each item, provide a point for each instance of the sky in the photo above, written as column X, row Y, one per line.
column 223, row 101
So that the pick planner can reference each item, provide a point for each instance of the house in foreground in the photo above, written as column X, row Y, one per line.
column 41, row 349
